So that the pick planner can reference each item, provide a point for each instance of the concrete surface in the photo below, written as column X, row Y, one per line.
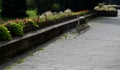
column 96, row 49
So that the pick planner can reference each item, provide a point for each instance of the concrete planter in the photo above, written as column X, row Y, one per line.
column 30, row 28
column 18, row 45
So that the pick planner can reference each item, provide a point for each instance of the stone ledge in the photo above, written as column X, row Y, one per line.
column 18, row 45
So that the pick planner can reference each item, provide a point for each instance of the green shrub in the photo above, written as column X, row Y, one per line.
column 31, row 13
column 4, row 33
column 16, row 29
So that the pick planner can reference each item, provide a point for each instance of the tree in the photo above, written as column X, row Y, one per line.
column 60, row 5
column 77, row 5
column 44, row 5
column 0, row 4
column 14, row 8
column 112, row 2
column 31, row 4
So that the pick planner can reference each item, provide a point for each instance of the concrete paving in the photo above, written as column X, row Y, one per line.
column 96, row 49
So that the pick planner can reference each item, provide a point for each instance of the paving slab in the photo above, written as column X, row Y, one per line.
column 96, row 49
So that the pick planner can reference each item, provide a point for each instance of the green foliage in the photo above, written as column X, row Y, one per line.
column 4, row 33
column 8, row 68
column 16, row 29
column 41, row 49
column 56, row 7
column 32, row 13
column 13, row 65
column 31, row 4
column 20, row 61
column 30, row 21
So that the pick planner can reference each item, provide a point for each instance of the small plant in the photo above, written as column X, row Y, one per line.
column 16, row 29
column 41, row 49
column 17, row 62
column 65, row 35
column 8, row 68
column 4, row 33
column 31, row 54
column 30, row 21
column 20, row 61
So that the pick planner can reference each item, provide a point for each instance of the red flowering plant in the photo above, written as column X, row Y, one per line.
column 31, row 21
column 82, row 12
